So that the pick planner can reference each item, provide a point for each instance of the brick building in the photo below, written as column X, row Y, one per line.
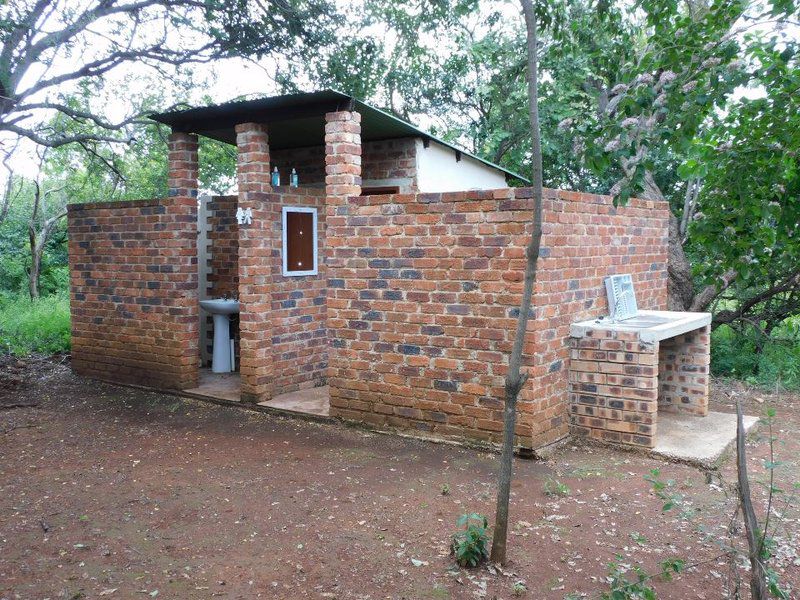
column 383, row 289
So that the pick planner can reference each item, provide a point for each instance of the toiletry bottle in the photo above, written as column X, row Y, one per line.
column 293, row 179
column 276, row 178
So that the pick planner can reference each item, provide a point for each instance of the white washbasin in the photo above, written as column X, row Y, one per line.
column 222, row 360
column 220, row 306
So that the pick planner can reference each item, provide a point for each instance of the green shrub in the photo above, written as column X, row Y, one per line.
column 779, row 364
column 758, row 360
column 470, row 546
column 554, row 487
column 732, row 354
column 40, row 326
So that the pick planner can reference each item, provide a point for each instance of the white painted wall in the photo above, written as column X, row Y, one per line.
column 439, row 171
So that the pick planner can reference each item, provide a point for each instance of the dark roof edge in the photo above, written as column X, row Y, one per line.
column 171, row 118
column 425, row 134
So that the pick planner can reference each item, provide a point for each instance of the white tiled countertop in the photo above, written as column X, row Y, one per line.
column 651, row 325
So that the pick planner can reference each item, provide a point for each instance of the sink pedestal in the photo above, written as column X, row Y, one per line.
column 221, row 309
column 221, row 357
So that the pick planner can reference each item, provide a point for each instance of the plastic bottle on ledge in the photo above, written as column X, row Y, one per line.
column 276, row 178
column 293, row 179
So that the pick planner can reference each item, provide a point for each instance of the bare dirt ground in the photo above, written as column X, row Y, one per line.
column 112, row 492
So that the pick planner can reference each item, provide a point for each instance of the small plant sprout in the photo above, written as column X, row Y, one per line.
column 518, row 589
column 470, row 543
column 445, row 489
column 555, row 488
column 639, row 538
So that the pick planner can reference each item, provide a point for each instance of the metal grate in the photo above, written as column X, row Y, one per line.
column 621, row 297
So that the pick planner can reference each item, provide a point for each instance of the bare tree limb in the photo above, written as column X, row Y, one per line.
column 788, row 284
column 703, row 299
column 758, row 586
column 62, row 140
column 689, row 203
column 515, row 378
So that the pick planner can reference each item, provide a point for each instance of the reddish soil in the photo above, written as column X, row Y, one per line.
column 113, row 492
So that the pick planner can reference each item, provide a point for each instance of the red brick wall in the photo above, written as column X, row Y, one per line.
column 309, row 162
column 223, row 235
column 391, row 159
column 133, row 291
column 423, row 296
column 380, row 161
column 182, row 164
column 223, row 261
column 683, row 368
column 586, row 239
column 299, row 343
column 295, row 329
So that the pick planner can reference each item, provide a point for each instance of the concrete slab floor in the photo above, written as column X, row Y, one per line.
column 227, row 386
column 314, row 401
column 697, row 440
column 224, row 386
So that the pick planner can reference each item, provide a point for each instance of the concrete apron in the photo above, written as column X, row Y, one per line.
column 697, row 440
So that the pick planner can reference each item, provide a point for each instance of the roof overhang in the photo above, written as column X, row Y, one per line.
column 298, row 121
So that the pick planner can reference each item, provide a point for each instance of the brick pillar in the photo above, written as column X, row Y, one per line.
column 342, row 157
column 255, row 244
column 683, row 372
column 182, row 169
column 182, row 164
column 613, row 387
column 342, row 179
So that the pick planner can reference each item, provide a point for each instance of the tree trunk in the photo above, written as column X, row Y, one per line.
column 680, row 287
column 5, row 203
column 38, row 241
column 36, row 263
column 515, row 379
column 758, row 582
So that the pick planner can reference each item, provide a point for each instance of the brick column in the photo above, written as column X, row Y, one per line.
column 342, row 157
column 342, row 179
column 182, row 170
column 683, row 372
column 255, row 243
column 613, row 387
column 182, row 164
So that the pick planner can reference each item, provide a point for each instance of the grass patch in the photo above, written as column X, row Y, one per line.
column 35, row 326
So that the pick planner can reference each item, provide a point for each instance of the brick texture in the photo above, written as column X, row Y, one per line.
column 585, row 240
column 342, row 156
column 613, row 387
column 133, row 291
column 394, row 160
column 683, row 372
column 223, row 262
column 255, row 249
column 182, row 165
column 298, row 338
column 618, row 383
column 423, row 297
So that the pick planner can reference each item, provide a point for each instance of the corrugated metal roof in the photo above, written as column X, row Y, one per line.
column 298, row 120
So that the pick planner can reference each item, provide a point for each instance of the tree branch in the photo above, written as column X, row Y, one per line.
column 60, row 141
column 790, row 283
column 705, row 297
column 81, row 115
